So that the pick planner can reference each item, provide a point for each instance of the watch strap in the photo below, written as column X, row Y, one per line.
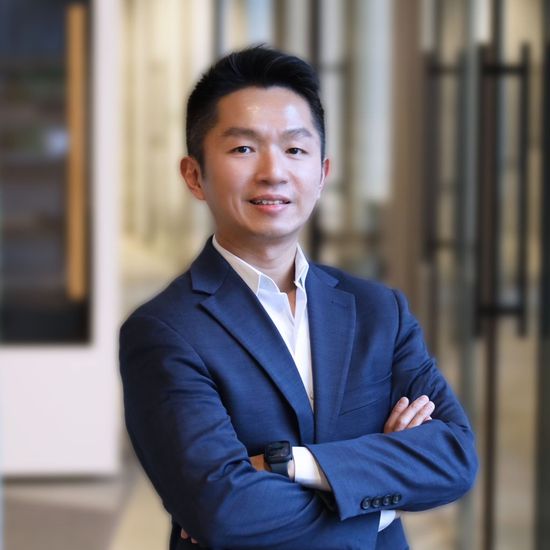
column 280, row 468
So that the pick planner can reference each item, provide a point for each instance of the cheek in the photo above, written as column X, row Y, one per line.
column 311, row 186
column 232, row 176
column 218, row 184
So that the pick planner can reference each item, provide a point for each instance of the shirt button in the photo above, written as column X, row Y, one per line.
column 396, row 498
column 386, row 501
column 365, row 503
column 377, row 502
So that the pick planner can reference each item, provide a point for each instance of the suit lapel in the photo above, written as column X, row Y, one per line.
column 331, row 315
column 238, row 310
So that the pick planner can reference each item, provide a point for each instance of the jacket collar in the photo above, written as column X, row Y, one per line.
column 331, row 323
column 254, row 278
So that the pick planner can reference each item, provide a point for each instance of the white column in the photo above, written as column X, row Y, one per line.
column 197, row 55
column 332, row 58
column 372, row 98
column 260, row 20
column 60, row 405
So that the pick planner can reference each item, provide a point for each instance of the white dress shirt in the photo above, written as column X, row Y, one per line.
column 294, row 330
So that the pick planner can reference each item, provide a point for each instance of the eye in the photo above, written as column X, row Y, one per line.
column 242, row 149
column 296, row 151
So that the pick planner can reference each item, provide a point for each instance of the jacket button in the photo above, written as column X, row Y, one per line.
column 365, row 503
column 396, row 498
column 387, row 500
column 376, row 502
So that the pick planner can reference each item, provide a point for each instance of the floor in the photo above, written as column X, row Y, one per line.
column 84, row 514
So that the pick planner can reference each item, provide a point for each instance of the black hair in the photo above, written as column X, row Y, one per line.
column 258, row 66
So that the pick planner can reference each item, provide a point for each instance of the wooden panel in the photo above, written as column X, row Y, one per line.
column 76, row 169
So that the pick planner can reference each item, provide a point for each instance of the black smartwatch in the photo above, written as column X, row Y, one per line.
column 278, row 454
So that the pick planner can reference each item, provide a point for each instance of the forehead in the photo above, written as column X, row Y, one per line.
column 273, row 107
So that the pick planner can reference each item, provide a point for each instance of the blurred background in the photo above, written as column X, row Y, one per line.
column 438, row 124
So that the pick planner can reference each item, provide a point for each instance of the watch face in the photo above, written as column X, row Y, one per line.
column 280, row 451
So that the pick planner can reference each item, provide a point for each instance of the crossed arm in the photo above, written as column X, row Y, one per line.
column 209, row 485
column 404, row 416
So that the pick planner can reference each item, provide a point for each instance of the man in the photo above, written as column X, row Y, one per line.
column 275, row 403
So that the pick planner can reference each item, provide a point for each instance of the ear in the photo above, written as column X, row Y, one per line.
column 325, row 170
column 191, row 173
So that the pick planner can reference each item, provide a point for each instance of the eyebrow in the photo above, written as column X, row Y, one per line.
column 236, row 131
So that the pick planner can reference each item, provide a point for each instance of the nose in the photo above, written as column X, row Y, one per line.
column 271, row 168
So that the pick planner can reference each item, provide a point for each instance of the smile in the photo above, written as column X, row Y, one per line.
column 269, row 201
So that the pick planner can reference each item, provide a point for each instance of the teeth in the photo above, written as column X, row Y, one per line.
column 264, row 201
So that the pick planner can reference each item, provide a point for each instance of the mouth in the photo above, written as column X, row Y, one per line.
column 269, row 201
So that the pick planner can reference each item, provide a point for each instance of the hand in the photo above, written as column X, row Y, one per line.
column 185, row 536
column 404, row 416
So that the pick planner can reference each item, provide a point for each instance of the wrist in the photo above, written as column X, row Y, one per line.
column 291, row 469
column 278, row 457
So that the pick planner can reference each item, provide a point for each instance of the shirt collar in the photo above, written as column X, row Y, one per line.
column 257, row 280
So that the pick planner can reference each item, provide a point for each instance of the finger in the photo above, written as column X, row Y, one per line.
column 184, row 535
column 422, row 415
column 400, row 406
column 405, row 418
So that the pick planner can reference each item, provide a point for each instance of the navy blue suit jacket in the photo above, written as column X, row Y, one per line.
column 208, row 381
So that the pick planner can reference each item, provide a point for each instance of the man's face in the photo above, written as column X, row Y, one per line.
column 263, row 171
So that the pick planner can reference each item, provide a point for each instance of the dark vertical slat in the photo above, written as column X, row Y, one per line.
column 490, row 291
column 480, row 192
column 496, row 141
column 491, row 406
column 542, row 527
column 279, row 15
column 430, row 154
column 490, row 218
column 315, row 33
column 523, row 191
column 217, row 13
column 460, row 175
column 431, row 164
column 315, row 234
column 432, row 183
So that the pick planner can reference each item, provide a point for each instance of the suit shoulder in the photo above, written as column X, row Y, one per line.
column 354, row 284
column 374, row 300
column 168, row 301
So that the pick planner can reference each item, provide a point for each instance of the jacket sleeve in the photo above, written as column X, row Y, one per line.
column 411, row 470
column 187, row 445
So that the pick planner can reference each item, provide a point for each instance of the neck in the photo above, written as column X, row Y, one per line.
column 276, row 261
